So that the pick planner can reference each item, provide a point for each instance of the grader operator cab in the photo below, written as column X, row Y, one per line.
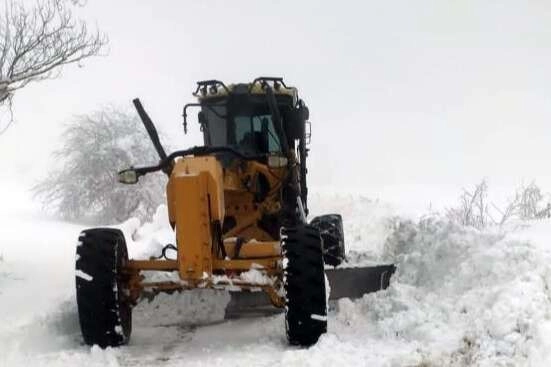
column 238, row 205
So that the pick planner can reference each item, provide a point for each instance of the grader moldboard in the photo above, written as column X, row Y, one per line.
column 238, row 206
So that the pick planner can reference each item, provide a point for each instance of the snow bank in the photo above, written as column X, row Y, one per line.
column 461, row 297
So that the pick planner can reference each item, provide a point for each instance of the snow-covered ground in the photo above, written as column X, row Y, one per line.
column 460, row 297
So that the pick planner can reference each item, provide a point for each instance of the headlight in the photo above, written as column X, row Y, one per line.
column 128, row 176
column 276, row 161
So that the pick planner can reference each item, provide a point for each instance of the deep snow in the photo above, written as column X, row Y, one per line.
column 460, row 297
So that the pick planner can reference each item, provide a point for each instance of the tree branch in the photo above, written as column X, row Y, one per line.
column 36, row 42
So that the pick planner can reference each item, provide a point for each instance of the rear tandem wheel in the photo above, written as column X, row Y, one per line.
column 332, row 233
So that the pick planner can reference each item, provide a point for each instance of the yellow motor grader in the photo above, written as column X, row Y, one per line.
column 238, row 206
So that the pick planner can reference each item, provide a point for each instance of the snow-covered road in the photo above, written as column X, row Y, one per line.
column 460, row 297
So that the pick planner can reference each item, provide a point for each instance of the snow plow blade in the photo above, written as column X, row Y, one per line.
column 355, row 282
column 344, row 282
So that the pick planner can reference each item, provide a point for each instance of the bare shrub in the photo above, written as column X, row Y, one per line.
column 530, row 199
column 545, row 212
column 96, row 147
column 36, row 41
column 475, row 210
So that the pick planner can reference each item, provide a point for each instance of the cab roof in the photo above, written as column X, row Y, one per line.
column 215, row 89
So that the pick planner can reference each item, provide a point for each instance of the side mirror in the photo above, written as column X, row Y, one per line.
column 294, row 124
column 128, row 176
column 304, row 112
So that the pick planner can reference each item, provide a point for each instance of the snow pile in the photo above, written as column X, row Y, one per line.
column 461, row 297
column 148, row 239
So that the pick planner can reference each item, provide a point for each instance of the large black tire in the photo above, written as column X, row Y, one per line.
column 332, row 234
column 104, row 312
column 304, row 283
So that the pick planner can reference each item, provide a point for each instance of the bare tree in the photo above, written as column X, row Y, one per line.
column 473, row 208
column 527, row 204
column 530, row 201
column 36, row 41
column 96, row 146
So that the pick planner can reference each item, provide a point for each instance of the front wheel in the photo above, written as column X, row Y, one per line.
column 104, row 311
column 304, row 284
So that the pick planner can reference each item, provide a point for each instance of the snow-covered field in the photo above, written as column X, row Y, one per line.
column 460, row 297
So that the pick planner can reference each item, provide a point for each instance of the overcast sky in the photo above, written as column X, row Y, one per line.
column 407, row 99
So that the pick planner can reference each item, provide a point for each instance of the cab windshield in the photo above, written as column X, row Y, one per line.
column 250, row 132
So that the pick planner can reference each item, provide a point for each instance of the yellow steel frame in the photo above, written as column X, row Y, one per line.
column 200, row 194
